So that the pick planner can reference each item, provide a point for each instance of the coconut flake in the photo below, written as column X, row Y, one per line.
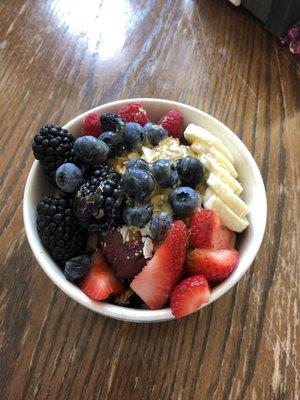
column 148, row 248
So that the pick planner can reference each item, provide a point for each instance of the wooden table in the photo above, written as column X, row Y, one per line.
column 59, row 58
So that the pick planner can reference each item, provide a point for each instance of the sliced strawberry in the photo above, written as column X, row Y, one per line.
column 215, row 265
column 157, row 279
column 173, row 123
column 226, row 239
column 100, row 282
column 189, row 295
column 207, row 231
column 91, row 125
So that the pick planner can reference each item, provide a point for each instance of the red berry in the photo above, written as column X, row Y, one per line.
column 189, row 295
column 158, row 278
column 215, row 265
column 134, row 112
column 172, row 122
column 91, row 125
column 226, row 239
column 206, row 231
column 100, row 282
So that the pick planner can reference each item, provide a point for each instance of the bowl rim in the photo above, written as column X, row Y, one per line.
column 125, row 313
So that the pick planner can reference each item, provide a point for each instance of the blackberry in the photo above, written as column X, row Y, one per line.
column 111, row 122
column 59, row 229
column 99, row 201
column 53, row 146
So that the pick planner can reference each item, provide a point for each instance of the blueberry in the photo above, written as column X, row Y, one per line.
column 77, row 267
column 139, row 163
column 153, row 134
column 184, row 201
column 111, row 122
column 159, row 225
column 165, row 173
column 138, row 216
column 90, row 151
column 190, row 171
column 68, row 178
column 114, row 141
column 138, row 183
column 133, row 135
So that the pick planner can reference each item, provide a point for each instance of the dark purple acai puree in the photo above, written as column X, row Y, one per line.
column 125, row 257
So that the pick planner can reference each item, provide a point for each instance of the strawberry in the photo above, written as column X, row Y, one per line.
column 215, row 265
column 134, row 112
column 206, row 231
column 172, row 122
column 158, row 278
column 100, row 282
column 226, row 239
column 189, row 295
column 91, row 125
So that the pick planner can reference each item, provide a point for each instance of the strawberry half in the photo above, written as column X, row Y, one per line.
column 91, row 125
column 215, row 265
column 158, row 278
column 206, row 231
column 189, row 295
column 100, row 282
column 226, row 239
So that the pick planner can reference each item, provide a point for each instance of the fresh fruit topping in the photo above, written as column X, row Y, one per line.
column 134, row 112
column 153, row 134
column 205, row 227
column 172, row 122
column 138, row 215
column 133, row 136
column 101, row 281
column 160, row 224
column 111, row 122
column 59, row 229
column 197, row 134
column 91, row 125
column 77, row 267
column 114, row 141
column 189, row 295
column 100, row 199
column 190, row 171
column 139, row 163
column 226, row 239
column 206, row 231
column 53, row 146
column 158, row 278
column 68, row 177
column 90, row 151
column 214, row 167
column 215, row 265
column 184, row 201
column 227, row 195
column 165, row 173
column 124, row 254
column 229, row 219
column 138, row 183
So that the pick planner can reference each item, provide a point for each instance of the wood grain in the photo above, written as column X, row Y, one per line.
column 59, row 58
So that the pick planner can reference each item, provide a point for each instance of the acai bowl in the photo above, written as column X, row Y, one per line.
column 183, row 187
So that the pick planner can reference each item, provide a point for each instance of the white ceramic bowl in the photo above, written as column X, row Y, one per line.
column 253, row 194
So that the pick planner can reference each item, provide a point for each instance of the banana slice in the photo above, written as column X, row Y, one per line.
column 227, row 216
column 223, row 161
column 215, row 167
column 194, row 133
column 227, row 195
column 208, row 193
